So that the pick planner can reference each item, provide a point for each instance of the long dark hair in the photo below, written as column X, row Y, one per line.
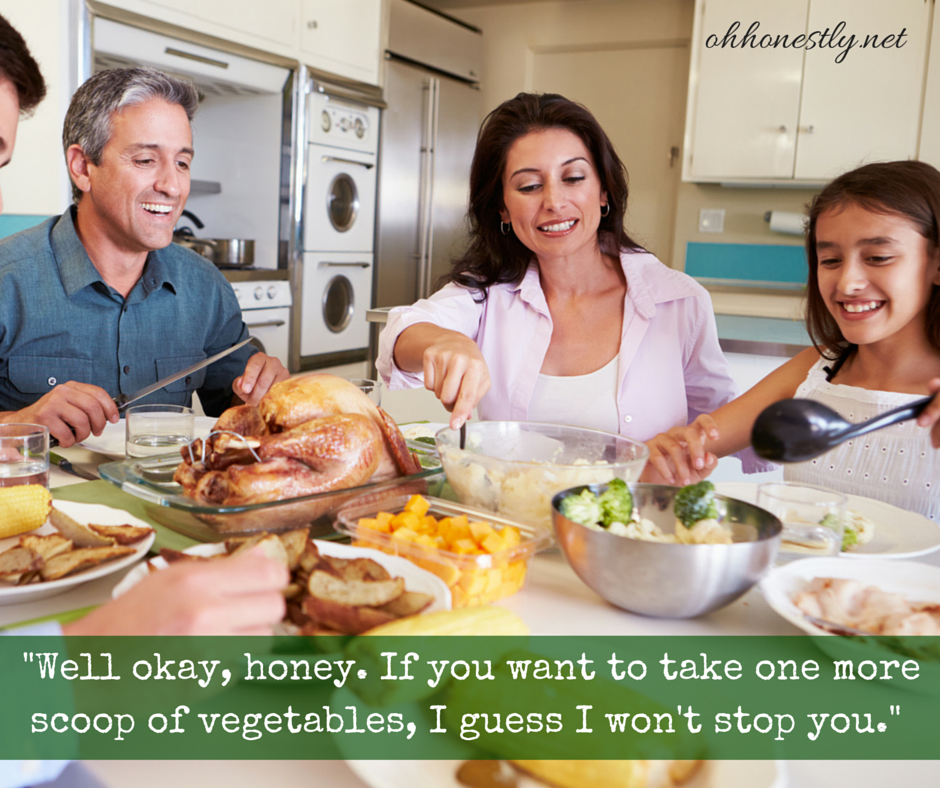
column 492, row 257
column 907, row 188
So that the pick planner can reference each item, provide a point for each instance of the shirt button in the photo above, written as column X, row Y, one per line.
column 126, row 369
column 52, row 381
column 628, row 419
column 188, row 380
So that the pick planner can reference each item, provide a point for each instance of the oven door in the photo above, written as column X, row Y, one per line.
column 340, row 201
column 337, row 291
column 269, row 330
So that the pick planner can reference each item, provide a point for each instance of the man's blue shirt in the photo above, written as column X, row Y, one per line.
column 59, row 321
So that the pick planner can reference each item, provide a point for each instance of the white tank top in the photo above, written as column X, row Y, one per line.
column 578, row 400
column 895, row 464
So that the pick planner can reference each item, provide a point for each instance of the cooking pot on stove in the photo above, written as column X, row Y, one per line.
column 229, row 252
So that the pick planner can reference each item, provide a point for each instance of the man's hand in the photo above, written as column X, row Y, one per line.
column 71, row 411
column 237, row 596
column 261, row 372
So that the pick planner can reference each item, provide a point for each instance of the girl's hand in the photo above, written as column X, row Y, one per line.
column 455, row 371
column 931, row 414
column 679, row 456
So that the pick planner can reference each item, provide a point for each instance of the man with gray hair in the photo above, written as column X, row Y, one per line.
column 98, row 302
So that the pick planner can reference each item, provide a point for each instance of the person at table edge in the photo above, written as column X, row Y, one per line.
column 97, row 302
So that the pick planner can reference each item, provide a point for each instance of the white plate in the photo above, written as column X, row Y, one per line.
column 898, row 532
column 918, row 582
column 112, row 438
column 416, row 578
column 84, row 513
column 441, row 774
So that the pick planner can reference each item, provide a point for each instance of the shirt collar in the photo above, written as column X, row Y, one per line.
column 78, row 272
column 649, row 282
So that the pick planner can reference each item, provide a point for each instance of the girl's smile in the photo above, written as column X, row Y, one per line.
column 876, row 273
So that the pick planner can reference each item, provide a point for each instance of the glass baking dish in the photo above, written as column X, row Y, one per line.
column 151, row 478
column 473, row 578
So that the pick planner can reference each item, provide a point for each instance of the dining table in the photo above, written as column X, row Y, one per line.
column 553, row 601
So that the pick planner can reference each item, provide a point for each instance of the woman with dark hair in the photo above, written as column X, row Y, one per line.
column 554, row 313
column 873, row 312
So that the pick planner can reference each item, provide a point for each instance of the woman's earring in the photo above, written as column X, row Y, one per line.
column 605, row 209
column 505, row 227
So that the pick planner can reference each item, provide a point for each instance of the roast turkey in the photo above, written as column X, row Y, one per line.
column 310, row 434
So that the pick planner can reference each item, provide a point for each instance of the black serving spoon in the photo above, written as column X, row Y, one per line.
column 796, row 430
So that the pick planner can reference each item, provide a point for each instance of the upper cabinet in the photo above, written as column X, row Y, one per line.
column 930, row 126
column 801, row 90
column 342, row 37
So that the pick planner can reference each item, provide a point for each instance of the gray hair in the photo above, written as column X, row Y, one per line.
column 88, row 120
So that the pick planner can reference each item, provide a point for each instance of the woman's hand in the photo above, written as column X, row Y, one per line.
column 455, row 371
column 931, row 414
column 679, row 456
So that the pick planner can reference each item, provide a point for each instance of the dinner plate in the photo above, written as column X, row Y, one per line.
column 898, row 532
column 416, row 578
column 441, row 774
column 84, row 513
column 111, row 440
column 918, row 582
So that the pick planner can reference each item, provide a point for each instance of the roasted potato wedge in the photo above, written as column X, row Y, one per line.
column 371, row 593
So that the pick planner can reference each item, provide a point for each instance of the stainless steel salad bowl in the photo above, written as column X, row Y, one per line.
column 670, row 580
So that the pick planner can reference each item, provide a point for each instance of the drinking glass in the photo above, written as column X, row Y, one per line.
column 812, row 518
column 24, row 454
column 157, row 429
column 371, row 388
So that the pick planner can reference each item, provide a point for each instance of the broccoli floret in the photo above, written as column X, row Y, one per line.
column 849, row 538
column 696, row 502
column 583, row 508
column 616, row 503
column 830, row 521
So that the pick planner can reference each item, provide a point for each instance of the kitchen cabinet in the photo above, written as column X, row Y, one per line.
column 271, row 26
column 930, row 125
column 805, row 115
column 342, row 38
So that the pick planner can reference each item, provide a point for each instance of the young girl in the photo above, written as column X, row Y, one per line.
column 873, row 313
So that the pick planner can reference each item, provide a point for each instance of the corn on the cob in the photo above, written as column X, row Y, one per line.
column 23, row 508
column 468, row 621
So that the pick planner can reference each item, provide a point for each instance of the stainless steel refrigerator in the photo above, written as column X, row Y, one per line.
column 426, row 145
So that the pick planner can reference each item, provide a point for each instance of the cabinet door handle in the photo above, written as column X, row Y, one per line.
column 267, row 324
column 807, row 129
column 346, row 265
column 198, row 58
column 782, row 129
column 365, row 164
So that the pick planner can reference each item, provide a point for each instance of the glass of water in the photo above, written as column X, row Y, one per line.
column 157, row 429
column 812, row 518
column 371, row 388
column 24, row 454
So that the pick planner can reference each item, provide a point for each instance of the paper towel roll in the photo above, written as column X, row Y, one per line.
column 788, row 223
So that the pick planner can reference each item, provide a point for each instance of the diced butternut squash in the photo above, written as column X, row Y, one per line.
column 480, row 530
column 417, row 504
column 482, row 572
column 492, row 543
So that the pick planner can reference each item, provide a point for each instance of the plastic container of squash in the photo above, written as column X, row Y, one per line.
column 473, row 578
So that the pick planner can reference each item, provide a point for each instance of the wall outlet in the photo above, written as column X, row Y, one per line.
column 711, row 220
